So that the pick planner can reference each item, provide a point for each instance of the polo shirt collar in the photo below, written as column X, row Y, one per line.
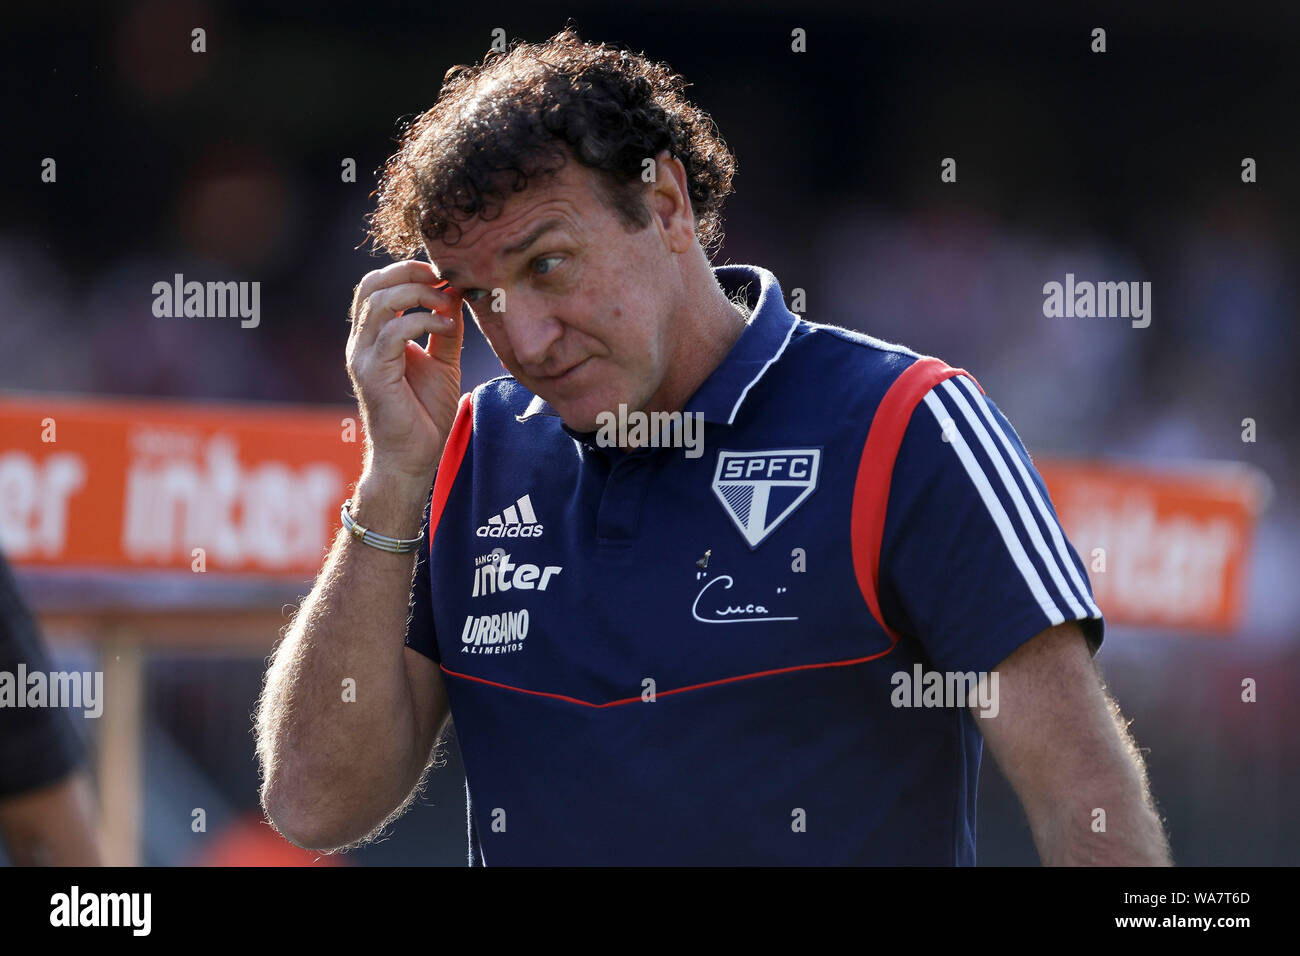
column 765, row 337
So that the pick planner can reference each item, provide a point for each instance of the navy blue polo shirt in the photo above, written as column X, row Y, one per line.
column 753, row 655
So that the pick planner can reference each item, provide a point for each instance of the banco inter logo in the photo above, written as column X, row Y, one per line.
column 517, row 521
column 760, row 489
column 503, row 574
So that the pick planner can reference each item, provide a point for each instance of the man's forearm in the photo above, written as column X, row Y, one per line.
column 1110, row 819
column 1133, row 836
column 338, row 757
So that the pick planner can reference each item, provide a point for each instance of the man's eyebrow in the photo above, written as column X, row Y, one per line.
column 542, row 229
column 532, row 237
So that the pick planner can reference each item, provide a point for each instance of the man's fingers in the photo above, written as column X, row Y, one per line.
column 411, row 270
column 446, row 345
column 386, row 303
column 392, row 339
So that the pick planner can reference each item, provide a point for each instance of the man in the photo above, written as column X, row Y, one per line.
column 45, row 798
column 657, row 656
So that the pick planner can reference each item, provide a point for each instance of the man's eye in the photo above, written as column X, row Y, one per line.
column 538, row 262
column 473, row 295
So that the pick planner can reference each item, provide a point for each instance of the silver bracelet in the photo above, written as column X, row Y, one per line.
column 374, row 539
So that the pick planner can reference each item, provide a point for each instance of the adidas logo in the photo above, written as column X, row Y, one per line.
column 517, row 521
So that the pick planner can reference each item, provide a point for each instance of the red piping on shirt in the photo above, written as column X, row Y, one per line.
column 666, row 693
column 875, row 471
column 452, row 455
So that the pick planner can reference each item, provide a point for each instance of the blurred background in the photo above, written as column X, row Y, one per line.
column 1124, row 165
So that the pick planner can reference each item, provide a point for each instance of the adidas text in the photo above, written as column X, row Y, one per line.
column 517, row 521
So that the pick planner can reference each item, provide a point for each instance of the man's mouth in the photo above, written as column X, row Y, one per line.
column 567, row 374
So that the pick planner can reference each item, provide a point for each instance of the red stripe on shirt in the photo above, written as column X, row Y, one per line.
column 622, row 701
column 876, row 469
column 452, row 455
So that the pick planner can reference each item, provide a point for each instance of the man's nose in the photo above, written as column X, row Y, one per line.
column 532, row 331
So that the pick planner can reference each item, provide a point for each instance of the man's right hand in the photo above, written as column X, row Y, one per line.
column 407, row 393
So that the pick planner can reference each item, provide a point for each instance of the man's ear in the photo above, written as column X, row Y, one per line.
column 670, row 202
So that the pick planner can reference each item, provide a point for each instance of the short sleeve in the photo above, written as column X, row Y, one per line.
column 973, row 559
column 420, row 634
column 39, row 746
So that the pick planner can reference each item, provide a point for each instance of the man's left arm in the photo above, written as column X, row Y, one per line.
column 1062, row 742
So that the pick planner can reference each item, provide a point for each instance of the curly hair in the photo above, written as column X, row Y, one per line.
column 516, row 117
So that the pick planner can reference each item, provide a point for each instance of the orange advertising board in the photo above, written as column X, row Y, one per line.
column 1165, row 546
column 121, row 484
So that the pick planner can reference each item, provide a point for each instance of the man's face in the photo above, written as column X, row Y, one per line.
column 576, row 308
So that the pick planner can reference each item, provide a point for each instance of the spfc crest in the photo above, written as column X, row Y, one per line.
column 760, row 489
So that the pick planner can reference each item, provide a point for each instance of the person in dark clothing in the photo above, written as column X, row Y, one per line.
column 45, row 794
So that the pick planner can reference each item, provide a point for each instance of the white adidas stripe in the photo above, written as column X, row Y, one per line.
column 1013, row 489
column 996, row 512
column 525, row 506
column 1058, row 539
